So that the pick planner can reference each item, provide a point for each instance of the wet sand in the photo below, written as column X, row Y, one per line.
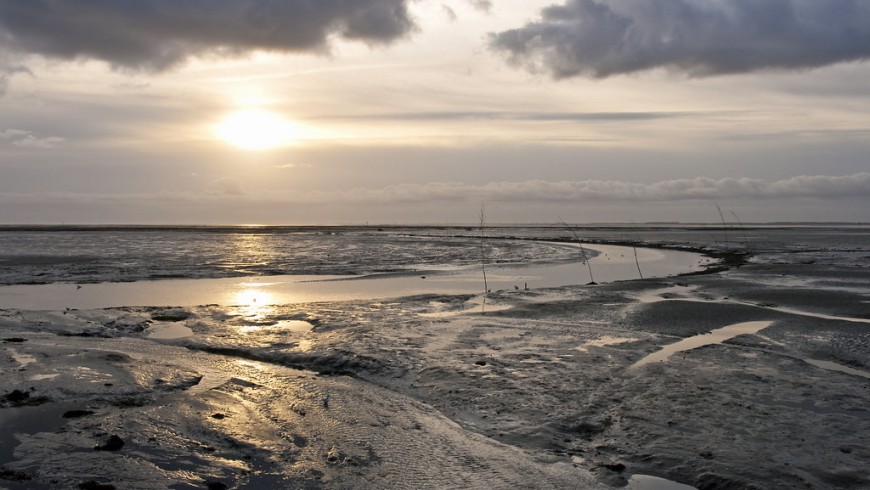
column 544, row 394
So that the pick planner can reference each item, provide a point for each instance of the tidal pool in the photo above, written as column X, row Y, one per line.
column 713, row 337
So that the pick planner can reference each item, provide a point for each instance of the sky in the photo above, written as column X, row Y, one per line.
column 424, row 111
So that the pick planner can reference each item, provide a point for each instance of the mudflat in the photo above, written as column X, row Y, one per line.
column 535, row 388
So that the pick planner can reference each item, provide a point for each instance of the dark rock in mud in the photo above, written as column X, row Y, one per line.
column 588, row 429
column 171, row 315
column 74, row 414
column 86, row 334
column 15, row 340
column 116, row 357
column 14, row 475
column 711, row 481
column 218, row 416
column 18, row 398
column 114, row 443
column 216, row 485
column 131, row 401
column 617, row 467
column 94, row 485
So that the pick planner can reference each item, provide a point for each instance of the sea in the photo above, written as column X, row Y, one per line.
column 318, row 263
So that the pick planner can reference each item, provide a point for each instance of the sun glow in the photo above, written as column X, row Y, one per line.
column 257, row 130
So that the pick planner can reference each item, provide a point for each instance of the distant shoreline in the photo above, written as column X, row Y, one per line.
column 393, row 227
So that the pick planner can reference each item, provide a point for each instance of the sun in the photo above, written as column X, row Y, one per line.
column 257, row 130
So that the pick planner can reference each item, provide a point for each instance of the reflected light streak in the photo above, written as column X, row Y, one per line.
column 254, row 303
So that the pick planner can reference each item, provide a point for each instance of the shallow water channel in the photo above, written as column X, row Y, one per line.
column 613, row 263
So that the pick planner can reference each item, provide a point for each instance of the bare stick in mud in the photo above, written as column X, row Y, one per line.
column 583, row 253
column 634, row 241
column 483, row 249
column 636, row 262
column 724, row 225
column 742, row 230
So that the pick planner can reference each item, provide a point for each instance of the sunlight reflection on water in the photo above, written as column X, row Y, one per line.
column 253, row 295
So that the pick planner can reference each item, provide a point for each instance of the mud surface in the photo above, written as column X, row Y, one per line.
column 404, row 394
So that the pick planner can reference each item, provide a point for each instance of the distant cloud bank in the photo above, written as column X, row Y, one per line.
column 157, row 34
column 597, row 38
column 821, row 187
column 540, row 191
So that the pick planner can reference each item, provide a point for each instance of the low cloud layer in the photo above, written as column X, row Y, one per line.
column 807, row 198
column 698, row 37
column 820, row 187
column 159, row 34
column 541, row 191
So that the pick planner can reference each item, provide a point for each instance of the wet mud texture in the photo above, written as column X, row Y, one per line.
column 541, row 395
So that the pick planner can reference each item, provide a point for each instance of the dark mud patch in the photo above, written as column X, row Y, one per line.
column 19, row 398
column 14, row 475
column 332, row 363
column 170, row 315
column 74, row 414
column 113, row 443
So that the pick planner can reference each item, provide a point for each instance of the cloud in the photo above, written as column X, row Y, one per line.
column 529, row 116
column 541, row 191
column 697, row 37
column 449, row 13
column 846, row 194
column 27, row 139
column 482, row 5
column 159, row 34
column 823, row 187
column 819, row 187
column 8, row 68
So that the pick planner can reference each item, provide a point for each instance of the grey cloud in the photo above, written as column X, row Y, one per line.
column 7, row 70
column 159, row 34
column 540, row 191
column 482, row 5
column 697, row 37
column 449, row 13
column 226, row 194
column 28, row 139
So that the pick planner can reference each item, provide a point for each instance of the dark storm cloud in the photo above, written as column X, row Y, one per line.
column 157, row 34
column 698, row 37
